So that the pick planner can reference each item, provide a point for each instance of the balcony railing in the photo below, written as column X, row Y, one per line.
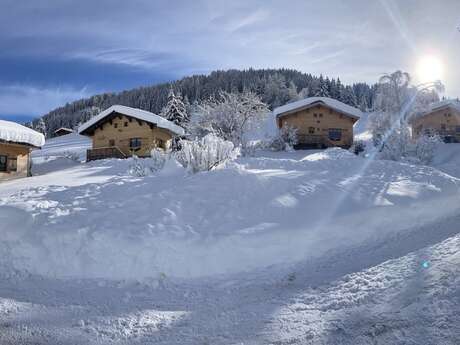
column 103, row 153
column 311, row 139
column 320, row 141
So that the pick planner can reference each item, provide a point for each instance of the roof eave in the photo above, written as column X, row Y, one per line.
column 9, row 142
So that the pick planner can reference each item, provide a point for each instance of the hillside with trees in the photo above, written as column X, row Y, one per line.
column 275, row 87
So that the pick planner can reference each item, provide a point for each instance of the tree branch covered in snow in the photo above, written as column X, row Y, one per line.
column 396, row 101
column 230, row 116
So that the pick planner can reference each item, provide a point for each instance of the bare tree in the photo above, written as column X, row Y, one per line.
column 231, row 116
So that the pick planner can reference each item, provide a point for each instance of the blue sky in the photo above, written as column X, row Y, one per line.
column 56, row 51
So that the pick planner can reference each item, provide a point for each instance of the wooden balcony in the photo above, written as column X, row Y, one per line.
column 311, row 138
column 318, row 141
column 103, row 153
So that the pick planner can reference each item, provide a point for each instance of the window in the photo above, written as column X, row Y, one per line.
column 115, row 125
column 160, row 143
column 135, row 143
column 315, row 115
column 3, row 161
column 320, row 115
column 311, row 130
column 13, row 164
column 335, row 134
column 111, row 142
column 126, row 123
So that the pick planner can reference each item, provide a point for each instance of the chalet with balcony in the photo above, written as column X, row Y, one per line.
column 442, row 118
column 16, row 144
column 321, row 122
column 121, row 131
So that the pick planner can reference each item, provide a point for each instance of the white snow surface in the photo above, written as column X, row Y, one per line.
column 94, row 220
column 59, row 153
column 14, row 132
column 136, row 113
column 305, row 247
column 330, row 102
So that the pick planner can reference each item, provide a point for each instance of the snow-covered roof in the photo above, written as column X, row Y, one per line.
column 453, row 103
column 447, row 103
column 311, row 101
column 16, row 133
column 63, row 129
column 136, row 113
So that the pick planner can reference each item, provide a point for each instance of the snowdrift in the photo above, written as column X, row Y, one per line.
column 59, row 153
column 274, row 209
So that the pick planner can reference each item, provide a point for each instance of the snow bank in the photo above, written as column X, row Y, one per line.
column 60, row 153
column 254, row 213
column 447, row 159
column 12, row 131
column 333, row 153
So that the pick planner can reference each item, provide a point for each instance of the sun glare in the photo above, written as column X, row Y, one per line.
column 429, row 68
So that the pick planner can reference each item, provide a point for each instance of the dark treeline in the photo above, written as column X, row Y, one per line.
column 275, row 87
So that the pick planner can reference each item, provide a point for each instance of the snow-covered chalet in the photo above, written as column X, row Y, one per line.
column 320, row 122
column 16, row 143
column 442, row 118
column 122, row 131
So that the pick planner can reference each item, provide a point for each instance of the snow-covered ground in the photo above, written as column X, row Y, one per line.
column 308, row 247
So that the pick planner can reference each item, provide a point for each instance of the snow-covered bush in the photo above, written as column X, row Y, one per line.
column 206, row 153
column 252, row 146
column 285, row 139
column 397, row 145
column 358, row 147
column 425, row 148
column 158, row 159
column 138, row 168
column 72, row 155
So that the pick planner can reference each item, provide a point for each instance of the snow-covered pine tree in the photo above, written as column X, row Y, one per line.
column 41, row 127
column 321, row 89
column 175, row 110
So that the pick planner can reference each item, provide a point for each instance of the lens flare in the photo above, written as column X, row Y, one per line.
column 430, row 68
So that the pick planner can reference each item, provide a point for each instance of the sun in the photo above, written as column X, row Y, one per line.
column 430, row 68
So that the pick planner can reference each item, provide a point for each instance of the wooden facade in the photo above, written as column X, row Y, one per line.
column 14, row 160
column 319, row 126
column 443, row 121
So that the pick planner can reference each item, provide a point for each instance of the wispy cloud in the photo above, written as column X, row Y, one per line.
column 248, row 20
column 33, row 100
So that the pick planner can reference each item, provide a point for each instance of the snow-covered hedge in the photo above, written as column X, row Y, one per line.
column 206, row 153
column 285, row 139
column 425, row 148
